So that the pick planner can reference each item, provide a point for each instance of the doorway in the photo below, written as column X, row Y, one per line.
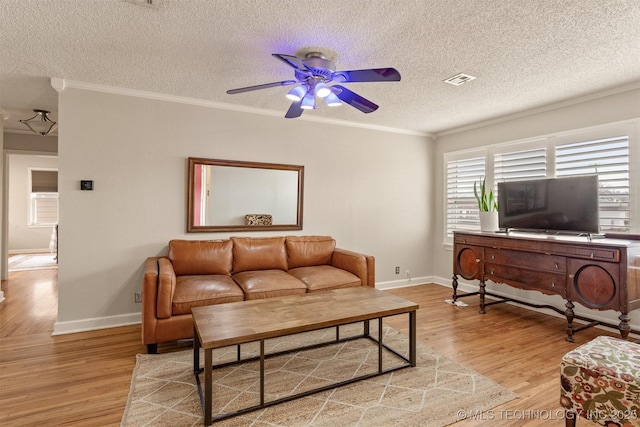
column 31, row 210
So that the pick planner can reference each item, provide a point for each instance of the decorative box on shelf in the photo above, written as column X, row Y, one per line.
column 258, row 219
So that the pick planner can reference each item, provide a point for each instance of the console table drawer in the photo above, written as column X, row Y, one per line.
column 526, row 259
column 543, row 281
column 469, row 240
column 598, row 254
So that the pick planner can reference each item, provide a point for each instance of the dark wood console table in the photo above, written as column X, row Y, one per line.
column 600, row 274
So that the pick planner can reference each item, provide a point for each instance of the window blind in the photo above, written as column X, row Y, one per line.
column 44, row 208
column 609, row 158
column 462, row 207
column 520, row 165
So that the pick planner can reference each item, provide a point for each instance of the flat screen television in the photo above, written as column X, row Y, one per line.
column 554, row 204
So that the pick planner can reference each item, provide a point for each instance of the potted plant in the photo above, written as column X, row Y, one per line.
column 487, row 205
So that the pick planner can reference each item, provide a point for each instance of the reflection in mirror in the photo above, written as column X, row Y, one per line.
column 228, row 195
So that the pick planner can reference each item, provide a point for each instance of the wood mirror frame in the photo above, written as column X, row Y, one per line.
column 277, row 195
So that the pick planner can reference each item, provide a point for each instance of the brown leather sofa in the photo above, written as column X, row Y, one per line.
column 204, row 272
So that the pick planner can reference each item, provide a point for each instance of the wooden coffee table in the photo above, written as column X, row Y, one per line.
column 224, row 325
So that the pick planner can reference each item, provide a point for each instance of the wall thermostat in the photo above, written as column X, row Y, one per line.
column 86, row 185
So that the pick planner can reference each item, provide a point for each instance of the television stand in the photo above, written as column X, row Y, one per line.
column 600, row 275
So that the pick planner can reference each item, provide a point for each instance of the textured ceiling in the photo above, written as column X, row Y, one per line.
column 524, row 53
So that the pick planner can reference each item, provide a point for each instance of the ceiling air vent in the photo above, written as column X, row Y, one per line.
column 147, row 3
column 459, row 79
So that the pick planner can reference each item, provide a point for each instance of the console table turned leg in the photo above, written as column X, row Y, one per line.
column 570, row 314
column 482, row 292
column 454, row 285
column 624, row 326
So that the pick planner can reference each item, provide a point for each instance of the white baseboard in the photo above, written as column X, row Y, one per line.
column 71, row 327
column 29, row 251
column 395, row 284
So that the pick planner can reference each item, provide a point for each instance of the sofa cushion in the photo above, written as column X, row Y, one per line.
column 268, row 283
column 191, row 257
column 304, row 251
column 258, row 253
column 325, row 277
column 201, row 290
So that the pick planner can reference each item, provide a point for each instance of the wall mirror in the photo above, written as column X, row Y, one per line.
column 229, row 195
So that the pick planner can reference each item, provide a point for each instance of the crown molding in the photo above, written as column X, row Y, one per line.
column 62, row 84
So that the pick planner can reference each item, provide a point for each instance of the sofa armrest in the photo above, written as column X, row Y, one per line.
column 149, row 298
column 359, row 264
column 166, row 288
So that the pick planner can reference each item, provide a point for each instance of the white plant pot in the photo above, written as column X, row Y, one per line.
column 489, row 221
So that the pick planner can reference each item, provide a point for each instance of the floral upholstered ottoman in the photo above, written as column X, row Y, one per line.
column 601, row 382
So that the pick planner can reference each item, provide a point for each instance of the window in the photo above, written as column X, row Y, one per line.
column 43, row 198
column 609, row 158
column 462, row 207
column 605, row 151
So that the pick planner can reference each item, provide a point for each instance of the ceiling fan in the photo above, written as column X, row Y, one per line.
column 313, row 74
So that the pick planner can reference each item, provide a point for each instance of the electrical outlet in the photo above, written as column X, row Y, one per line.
column 398, row 270
column 137, row 297
column 407, row 274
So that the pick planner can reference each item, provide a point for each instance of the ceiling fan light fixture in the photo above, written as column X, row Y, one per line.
column 313, row 73
column 332, row 100
column 297, row 93
column 40, row 123
column 322, row 90
column 309, row 101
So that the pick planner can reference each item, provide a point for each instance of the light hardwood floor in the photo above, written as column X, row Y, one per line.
column 83, row 379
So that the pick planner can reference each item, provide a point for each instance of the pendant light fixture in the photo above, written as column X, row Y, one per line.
column 40, row 123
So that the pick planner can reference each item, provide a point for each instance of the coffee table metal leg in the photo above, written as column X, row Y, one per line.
column 412, row 338
column 261, row 373
column 380, row 344
column 208, row 385
column 196, row 353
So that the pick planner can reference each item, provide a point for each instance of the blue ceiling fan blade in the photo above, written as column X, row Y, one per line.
column 370, row 75
column 293, row 61
column 262, row 86
column 354, row 99
column 295, row 110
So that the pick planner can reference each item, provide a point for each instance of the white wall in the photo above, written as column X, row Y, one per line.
column 21, row 236
column 369, row 189
column 609, row 109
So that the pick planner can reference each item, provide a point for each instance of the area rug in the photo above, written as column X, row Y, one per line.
column 434, row 393
column 24, row 262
